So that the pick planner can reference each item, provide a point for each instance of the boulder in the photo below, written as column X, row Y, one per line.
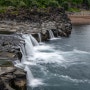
column 12, row 78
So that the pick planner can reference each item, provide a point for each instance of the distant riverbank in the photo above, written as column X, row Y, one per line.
column 80, row 18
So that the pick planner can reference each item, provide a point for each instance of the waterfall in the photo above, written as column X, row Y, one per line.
column 39, row 36
column 22, row 49
column 29, row 74
column 34, row 41
column 51, row 34
column 28, row 46
column 30, row 78
column 27, row 51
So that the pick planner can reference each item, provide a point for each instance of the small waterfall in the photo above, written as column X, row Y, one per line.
column 28, row 46
column 30, row 78
column 51, row 34
column 29, row 74
column 27, row 51
column 22, row 49
column 39, row 36
column 34, row 41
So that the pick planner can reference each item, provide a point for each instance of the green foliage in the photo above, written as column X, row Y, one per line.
column 67, row 4
column 3, row 9
column 22, row 4
column 74, row 10
column 29, row 3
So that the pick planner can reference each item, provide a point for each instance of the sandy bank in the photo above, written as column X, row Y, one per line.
column 80, row 20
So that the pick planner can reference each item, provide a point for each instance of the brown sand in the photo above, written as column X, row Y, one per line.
column 79, row 20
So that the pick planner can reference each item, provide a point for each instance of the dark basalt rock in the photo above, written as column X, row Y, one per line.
column 6, row 32
column 12, row 79
column 55, row 32
column 35, row 35
column 45, row 36
column 2, row 86
column 9, row 47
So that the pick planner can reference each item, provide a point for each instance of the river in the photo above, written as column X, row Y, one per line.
column 64, row 63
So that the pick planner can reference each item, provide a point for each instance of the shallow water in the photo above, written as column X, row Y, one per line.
column 62, row 64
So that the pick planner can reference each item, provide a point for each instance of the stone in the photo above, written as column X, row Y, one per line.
column 12, row 79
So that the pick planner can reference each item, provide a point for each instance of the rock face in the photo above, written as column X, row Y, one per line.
column 12, row 78
column 34, row 21
column 9, row 46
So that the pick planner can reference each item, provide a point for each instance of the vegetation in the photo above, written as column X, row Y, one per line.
column 67, row 4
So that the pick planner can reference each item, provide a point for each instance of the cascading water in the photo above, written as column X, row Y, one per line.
column 28, row 46
column 51, row 34
column 27, row 51
column 32, row 55
column 34, row 41
column 30, row 78
column 39, row 36
column 22, row 49
column 29, row 74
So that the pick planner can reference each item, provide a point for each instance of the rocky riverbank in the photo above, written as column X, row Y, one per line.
column 12, row 78
column 14, row 23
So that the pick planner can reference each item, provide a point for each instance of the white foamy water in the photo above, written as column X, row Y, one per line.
column 74, row 80
column 32, row 81
column 34, row 41
column 51, row 34
column 40, row 39
column 36, row 83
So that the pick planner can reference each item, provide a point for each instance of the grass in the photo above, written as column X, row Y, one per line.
column 3, row 9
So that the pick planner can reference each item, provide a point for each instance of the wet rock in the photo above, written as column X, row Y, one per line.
column 45, row 36
column 12, row 78
column 35, row 35
column 55, row 32
column 9, row 46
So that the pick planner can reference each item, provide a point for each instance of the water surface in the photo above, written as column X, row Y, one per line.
column 63, row 64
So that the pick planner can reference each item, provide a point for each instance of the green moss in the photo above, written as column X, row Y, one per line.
column 14, row 12
column 6, row 64
column 3, row 9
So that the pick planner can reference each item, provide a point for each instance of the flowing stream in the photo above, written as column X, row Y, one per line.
column 60, row 64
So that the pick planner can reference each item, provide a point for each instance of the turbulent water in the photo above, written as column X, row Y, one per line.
column 60, row 64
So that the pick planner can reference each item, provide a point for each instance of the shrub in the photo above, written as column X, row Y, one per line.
column 65, row 5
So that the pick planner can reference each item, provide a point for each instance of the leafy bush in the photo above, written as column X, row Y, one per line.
column 3, row 9
column 22, row 4
column 65, row 5
column 74, row 10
